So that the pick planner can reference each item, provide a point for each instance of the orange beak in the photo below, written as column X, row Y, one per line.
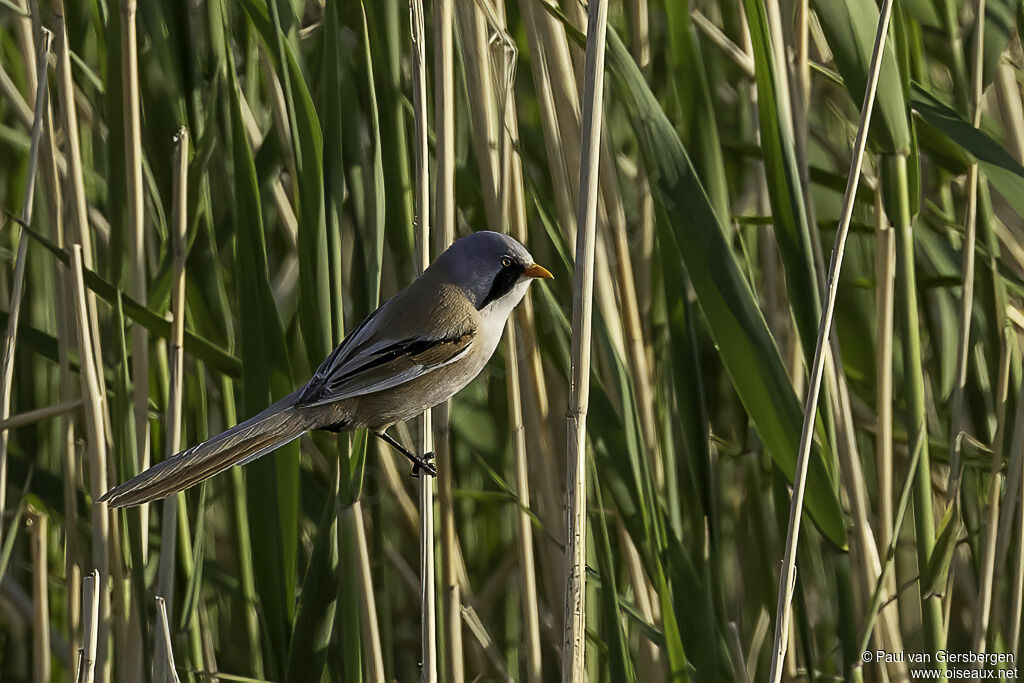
column 538, row 271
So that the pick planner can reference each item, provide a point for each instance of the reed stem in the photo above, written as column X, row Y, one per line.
column 787, row 578
column 428, row 607
column 574, row 627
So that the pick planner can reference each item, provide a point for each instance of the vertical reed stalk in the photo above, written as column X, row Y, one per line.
column 956, row 425
column 986, row 573
column 428, row 619
column 164, row 638
column 514, row 220
column 64, row 325
column 172, row 430
column 1013, row 633
column 917, row 428
column 444, row 207
column 787, row 578
column 91, row 591
column 371, row 631
column 885, row 277
column 80, row 231
column 574, row 629
column 91, row 393
column 136, row 231
column 40, row 597
column 18, row 287
column 528, row 577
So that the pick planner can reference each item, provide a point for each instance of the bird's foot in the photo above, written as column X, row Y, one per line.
column 424, row 463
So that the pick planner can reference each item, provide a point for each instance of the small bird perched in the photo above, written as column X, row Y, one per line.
column 417, row 350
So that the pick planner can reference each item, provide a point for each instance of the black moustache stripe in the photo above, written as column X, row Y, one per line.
column 503, row 283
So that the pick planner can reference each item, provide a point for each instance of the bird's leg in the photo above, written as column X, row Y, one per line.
column 418, row 463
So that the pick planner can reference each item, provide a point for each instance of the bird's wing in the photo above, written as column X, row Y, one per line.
column 366, row 361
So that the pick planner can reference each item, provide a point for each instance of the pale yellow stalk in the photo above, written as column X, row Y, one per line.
column 574, row 627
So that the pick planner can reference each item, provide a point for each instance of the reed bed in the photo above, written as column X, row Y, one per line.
column 703, row 452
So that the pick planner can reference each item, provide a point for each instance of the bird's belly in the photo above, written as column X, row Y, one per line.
column 406, row 401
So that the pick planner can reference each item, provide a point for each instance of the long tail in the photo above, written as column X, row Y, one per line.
column 243, row 443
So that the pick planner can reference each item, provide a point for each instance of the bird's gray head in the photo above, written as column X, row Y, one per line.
column 491, row 268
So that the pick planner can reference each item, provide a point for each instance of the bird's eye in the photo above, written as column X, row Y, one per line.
column 506, row 262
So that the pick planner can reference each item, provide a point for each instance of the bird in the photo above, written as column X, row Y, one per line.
column 418, row 349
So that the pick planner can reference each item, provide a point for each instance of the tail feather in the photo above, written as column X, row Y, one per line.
column 243, row 443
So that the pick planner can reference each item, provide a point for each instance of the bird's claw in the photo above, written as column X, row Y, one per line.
column 424, row 464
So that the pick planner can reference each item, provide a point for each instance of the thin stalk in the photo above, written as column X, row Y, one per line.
column 967, row 269
column 983, row 606
column 528, row 577
column 40, row 597
column 368, row 615
column 640, row 46
column 68, row 392
column 444, row 207
column 514, row 220
column 787, row 578
column 428, row 607
column 885, row 277
column 172, row 429
column 91, row 391
column 1010, row 109
column 75, row 179
column 1013, row 634
column 901, row 510
column 243, row 542
column 92, row 591
column 136, row 232
column 39, row 414
column 574, row 628
column 165, row 639
column 906, row 288
column 18, row 286
column 484, row 122
column 1008, row 514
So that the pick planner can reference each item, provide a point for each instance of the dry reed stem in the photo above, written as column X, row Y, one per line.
column 484, row 123
column 18, row 286
column 39, row 414
column 528, row 577
column 885, row 291
column 172, row 428
column 10, row 92
column 68, row 391
column 731, row 50
column 428, row 607
column 75, row 179
column 557, row 93
column 40, row 597
column 368, row 613
column 444, row 207
column 1010, row 108
column 787, row 578
column 137, row 240
column 91, row 392
column 494, row 655
column 164, row 638
column 91, row 591
column 736, row 653
column 574, row 627
column 507, row 202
